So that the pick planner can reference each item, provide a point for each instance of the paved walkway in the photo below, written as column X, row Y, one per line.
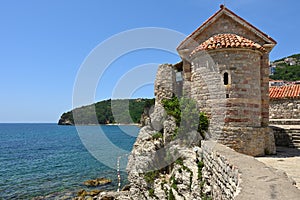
column 288, row 160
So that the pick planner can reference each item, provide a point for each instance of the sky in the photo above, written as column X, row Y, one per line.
column 44, row 45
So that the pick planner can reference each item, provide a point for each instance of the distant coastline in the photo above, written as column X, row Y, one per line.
column 110, row 124
column 115, row 112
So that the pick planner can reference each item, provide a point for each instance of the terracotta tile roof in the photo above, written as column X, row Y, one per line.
column 224, row 10
column 276, row 81
column 287, row 91
column 227, row 40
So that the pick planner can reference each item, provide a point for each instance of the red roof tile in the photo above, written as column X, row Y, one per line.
column 227, row 41
column 288, row 91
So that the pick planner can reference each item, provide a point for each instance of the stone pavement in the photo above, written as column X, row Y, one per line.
column 287, row 160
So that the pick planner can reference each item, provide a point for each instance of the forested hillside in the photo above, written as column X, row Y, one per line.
column 108, row 111
column 287, row 68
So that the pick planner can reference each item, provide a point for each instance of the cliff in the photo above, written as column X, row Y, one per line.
column 166, row 161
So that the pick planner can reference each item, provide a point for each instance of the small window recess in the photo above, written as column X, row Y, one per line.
column 227, row 96
column 226, row 78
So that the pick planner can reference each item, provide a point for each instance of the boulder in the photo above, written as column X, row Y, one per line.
column 97, row 182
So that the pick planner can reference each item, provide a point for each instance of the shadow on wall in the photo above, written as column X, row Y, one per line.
column 282, row 137
column 287, row 137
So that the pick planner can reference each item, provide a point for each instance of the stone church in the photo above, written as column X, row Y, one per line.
column 225, row 68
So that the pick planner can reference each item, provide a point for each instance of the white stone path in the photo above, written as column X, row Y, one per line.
column 287, row 160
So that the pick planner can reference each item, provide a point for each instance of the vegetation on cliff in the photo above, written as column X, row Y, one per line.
column 287, row 68
column 186, row 114
column 108, row 111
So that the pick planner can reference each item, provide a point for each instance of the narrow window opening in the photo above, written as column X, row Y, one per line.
column 225, row 78
column 227, row 96
column 178, row 76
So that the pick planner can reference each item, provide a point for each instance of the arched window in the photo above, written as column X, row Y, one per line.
column 225, row 79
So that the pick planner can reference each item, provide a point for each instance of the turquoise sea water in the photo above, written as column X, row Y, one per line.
column 40, row 159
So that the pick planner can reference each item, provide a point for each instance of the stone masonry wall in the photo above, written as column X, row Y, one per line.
column 244, row 103
column 264, row 81
column 254, row 141
column 242, row 94
column 165, row 82
column 236, row 110
column 221, row 176
column 285, row 109
column 232, row 175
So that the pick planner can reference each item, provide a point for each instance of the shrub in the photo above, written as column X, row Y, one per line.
column 187, row 116
column 172, row 108
column 174, row 185
column 200, row 167
column 157, row 136
column 151, row 192
column 174, row 182
column 171, row 195
column 203, row 124
column 179, row 161
column 151, row 176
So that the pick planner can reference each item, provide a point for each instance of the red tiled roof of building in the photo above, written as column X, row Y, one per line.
column 227, row 41
column 287, row 91
column 276, row 80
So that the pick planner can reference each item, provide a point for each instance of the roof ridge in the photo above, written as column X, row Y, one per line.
column 225, row 10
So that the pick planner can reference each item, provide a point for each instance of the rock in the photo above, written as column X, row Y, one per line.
column 157, row 117
column 97, row 182
column 64, row 122
column 145, row 133
column 126, row 188
column 94, row 192
column 88, row 198
column 79, row 198
column 107, row 198
column 65, row 197
column 81, row 193
column 169, row 128
column 103, row 181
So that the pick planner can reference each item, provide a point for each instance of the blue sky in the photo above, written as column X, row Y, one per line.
column 43, row 43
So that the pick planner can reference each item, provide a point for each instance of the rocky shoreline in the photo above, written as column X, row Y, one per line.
column 93, row 190
column 86, row 195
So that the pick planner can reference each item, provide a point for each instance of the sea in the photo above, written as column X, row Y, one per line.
column 44, row 159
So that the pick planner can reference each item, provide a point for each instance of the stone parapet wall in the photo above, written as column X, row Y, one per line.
column 232, row 175
column 285, row 109
column 220, row 175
